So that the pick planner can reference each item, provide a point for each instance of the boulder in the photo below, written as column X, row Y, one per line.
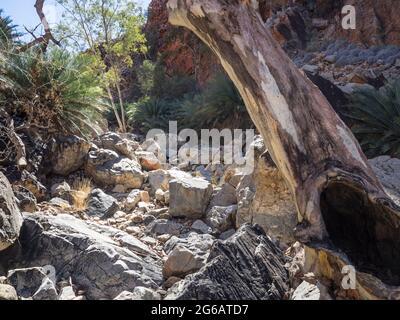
column 122, row 145
column 86, row 253
column 26, row 200
column 60, row 189
column 101, row 204
column 58, row 202
column 161, row 226
column 200, row 227
column 310, row 291
column 68, row 154
column 132, row 200
column 264, row 199
column 181, row 262
column 160, row 179
column 29, row 281
column 140, row 293
column 148, row 160
column 248, row 266
column 67, row 294
column 150, row 145
column 222, row 218
column 7, row 293
column 186, row 254
column 189, row 197
column 224, row 197
column 160, row 195
column 47, row 291
column 107, row 168
column 227, row 234
column 30, row 182
column 10, row 216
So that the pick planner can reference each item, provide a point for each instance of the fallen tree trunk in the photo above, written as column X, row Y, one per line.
column 341, row 204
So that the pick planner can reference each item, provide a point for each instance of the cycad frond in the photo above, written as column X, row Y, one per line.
column 376, row 114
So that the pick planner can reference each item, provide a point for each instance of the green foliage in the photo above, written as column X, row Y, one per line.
column 51, row 92
column 376, row 117
column 152, row 113
column 8, row 33
column 111, row 31
column 146, row 77
column 218, row 105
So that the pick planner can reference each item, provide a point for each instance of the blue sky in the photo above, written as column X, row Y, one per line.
column 23, row 13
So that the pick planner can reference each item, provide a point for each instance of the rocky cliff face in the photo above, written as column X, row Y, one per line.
column 182, row 51
column 295, row 24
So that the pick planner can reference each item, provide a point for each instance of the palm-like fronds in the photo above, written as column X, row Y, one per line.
column 220, row 104
column 376, row 117
column 52, row 92
column 8, row 32
column 151, row 113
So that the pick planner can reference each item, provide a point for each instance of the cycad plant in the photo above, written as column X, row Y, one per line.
column 218, row 105
column 8, row 32
column 376, row 118
column 151, row 113
column 51, row 93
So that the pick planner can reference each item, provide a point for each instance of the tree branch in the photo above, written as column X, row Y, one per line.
column 47, row 37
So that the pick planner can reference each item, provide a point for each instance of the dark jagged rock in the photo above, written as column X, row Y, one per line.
column 248, row 266
column 86, row 253
column 68, row 154
column 101, row 204
column 10, row 216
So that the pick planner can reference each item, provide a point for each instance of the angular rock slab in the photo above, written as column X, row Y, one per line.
column 10, row 216
column 85, row 252
column 68, row 154
column 107, row 168
column 248, row 266
column 189, row 197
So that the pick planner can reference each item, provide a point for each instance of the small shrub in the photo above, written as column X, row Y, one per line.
column 81, row 189
column 376, row 117
column 151, row 113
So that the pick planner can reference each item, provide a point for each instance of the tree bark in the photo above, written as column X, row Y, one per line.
column 48, row 35
column 317, row 154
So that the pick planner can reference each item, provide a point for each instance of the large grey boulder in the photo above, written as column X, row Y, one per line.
column 160, row 179
column 68, row 154
column 101, row 204
column 107, row 168
column 189, row 197
column 10, row 216
column 89, row 254
column 162, row 226
column 123, row 145
column 30, row 282
column 248, row 266
column 186, row 254
column 226, row 196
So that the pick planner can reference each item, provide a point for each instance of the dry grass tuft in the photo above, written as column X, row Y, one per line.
column 81, row 189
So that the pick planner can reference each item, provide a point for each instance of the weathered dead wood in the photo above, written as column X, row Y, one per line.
column 47, row 37
column 341, row 204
